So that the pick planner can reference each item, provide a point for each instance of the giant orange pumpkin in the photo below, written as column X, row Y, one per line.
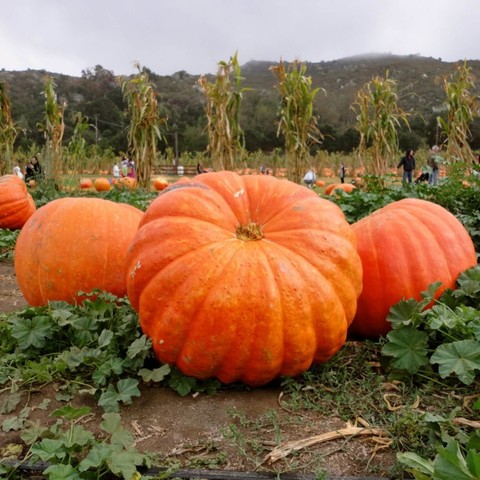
column 243, row 278
column 73, row 244
column 405, row 247
column 16, row 203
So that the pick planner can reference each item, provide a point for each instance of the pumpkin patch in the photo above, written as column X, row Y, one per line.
column 405, row 247
column 74, row 244
column 243, row 278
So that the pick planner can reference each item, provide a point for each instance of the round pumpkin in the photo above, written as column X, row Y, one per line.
column 160, row 183
column 405, row 247
column 101, row 184
column 73, row 244
column 346, row 187
column 86, row 183
column 319, row 183
column 16, row 203
column 243, row 278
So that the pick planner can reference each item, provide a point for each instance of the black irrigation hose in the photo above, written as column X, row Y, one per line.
column 39, row 467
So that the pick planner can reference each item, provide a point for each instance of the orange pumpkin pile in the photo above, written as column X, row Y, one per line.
column 243, row 278
column 16, row 203
column 74, row 244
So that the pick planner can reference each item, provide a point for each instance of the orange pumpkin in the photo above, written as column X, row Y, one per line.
column 86, row 183
column 319, row 183
column 160, row 183
column 73, row 244
column 16, row 203
column 101, row 184
column 346, row 187
column 125, row 182
column 243, row 277
column 405, row 247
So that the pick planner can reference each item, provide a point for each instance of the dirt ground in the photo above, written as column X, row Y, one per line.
column 234, row 429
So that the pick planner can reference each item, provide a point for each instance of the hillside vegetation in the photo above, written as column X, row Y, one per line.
column 97, row 95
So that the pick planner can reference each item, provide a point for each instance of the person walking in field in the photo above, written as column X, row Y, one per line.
column 433, row 162
column 408, row 164
column 342, row 171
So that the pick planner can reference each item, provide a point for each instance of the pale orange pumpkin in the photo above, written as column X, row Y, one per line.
column 101, row 184
column 72, row 244
column 86, row 183
column 405, row 247
column 160, row 183
column 16, row 203
column 346, row 187
column 243, row 277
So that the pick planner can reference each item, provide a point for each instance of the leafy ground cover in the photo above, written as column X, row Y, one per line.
column 80, row 390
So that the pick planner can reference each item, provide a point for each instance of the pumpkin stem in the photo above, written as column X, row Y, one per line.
column 249, row 232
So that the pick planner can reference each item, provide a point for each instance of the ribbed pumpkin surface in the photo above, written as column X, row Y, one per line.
column 16, row 203
column 405, row 247
column 73, row 244
column 243, row 278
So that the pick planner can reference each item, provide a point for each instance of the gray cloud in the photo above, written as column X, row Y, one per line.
column 67, row 36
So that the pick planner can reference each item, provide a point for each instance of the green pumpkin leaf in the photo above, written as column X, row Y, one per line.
column 156, row 375
column 402, row 313
column 461, row 357
column 97, row 456
column 62, row 472
column 450, row 464
column 409, row 347
column 118, row 435
column 473, row 463
column 416, row 463
column 71, row 413
column 127, row 388
column 123, row 463
column 32, row 332
column 105, row 338
column 49, row 449
column 139, row 346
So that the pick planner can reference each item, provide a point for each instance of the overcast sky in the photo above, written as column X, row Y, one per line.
column 166, row 36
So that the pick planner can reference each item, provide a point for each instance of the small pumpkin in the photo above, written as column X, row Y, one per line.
column 73, row 244
column 101, row 184
column 346, row 187
column 243, row 278
column 160, row 183
column 405, row 247
column 319, row 183
column 86, row 183
column 16, row 203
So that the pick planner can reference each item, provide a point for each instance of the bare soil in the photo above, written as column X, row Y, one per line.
column 234, row 429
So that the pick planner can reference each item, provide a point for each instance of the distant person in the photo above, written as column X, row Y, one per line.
column 124, row 166
column 131, row 169
column 116, row 171
column 29, row 172
column 264, row 170
column 342, row 171
column 433, row 163
column 200, row 169
column 18, row 172
column 309, row 178
column 408, row 164
column 37, row 168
